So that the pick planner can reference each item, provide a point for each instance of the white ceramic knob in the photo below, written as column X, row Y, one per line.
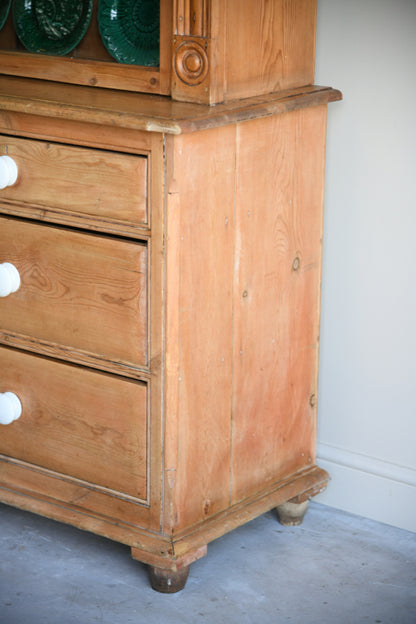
column 9, row 279
column 10, row 408
column 8, row 171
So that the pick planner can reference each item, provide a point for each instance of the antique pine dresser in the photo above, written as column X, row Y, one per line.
column 160, row 261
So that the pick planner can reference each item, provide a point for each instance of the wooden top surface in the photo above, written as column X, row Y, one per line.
column 147, row 112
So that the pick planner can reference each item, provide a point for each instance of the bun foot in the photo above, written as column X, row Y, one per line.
column 168, row 581
column 291, row 514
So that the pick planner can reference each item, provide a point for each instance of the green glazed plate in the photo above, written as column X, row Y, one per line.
column 130, row 30
column 4, row 11
column 51, row 26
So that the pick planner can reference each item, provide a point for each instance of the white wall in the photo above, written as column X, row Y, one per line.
column 367, row 393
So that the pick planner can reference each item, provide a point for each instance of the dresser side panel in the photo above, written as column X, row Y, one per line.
column 278, row 224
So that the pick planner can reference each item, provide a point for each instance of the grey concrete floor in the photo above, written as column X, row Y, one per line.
column 335, row 568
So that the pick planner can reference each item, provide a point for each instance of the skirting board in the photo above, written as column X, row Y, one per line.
column 369, row 487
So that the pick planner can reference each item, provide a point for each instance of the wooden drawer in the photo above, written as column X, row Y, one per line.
column 76, row 184
column 82, row 296
column 76, row 422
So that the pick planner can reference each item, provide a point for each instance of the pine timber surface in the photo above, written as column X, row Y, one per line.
column 95, row 287
column 146, row 112
column 229, row 270
column 70, row 413
column 115, row 184
column 237, row 49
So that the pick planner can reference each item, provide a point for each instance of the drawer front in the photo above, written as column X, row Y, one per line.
column 84, row 182
column 76, row 422
column 82, row 293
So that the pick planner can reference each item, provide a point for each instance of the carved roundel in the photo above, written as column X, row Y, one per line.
column 191, row 63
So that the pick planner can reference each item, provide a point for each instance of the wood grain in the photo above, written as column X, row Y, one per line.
column 156, row 331
column 269, row 46
column 279, row 202
column 199, row 271
column 75, row 132
column 82, row 291
column 87, row 182
column 207, row 308
column 191, row 17
column 146, row 113
column 67, row 499
column 309, row 481
column 128, row 523
column 82, row 71
column 80, row 423
column 254, row 47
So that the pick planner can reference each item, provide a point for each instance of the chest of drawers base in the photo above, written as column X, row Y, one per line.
column 163, row 340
